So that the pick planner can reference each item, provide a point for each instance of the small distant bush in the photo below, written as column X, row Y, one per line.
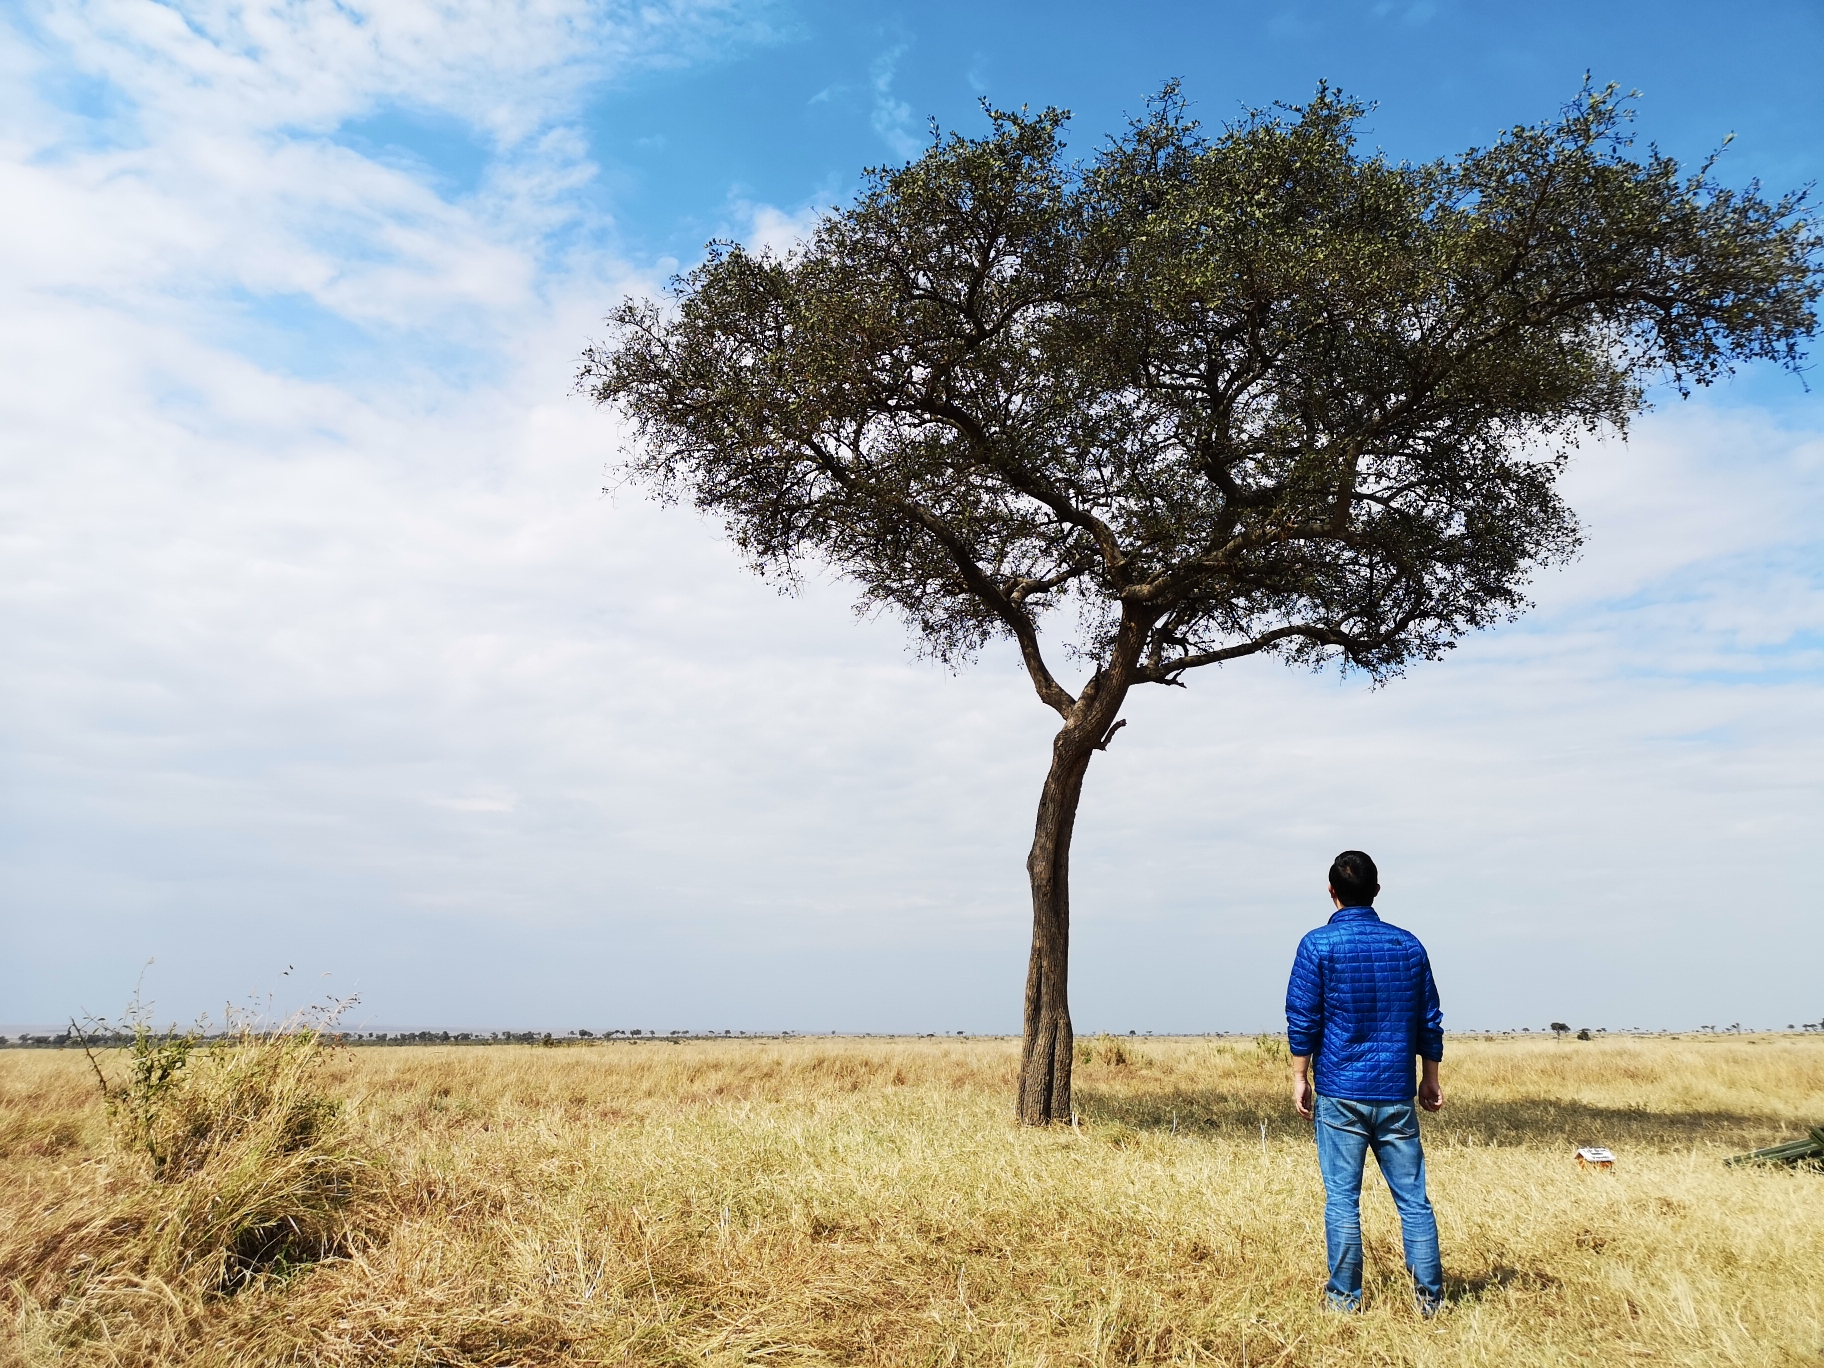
column 1271, row 1048
column 1107, row 1049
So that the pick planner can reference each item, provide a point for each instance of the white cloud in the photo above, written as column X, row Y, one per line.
column 512, row 68
column 892, row 116
column 774, row 230
column 216, row 164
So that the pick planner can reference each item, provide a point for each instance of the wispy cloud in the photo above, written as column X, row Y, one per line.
column 1410, row 14
column 892, row 116
column 206, row 150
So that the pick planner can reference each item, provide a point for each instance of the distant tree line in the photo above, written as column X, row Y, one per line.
column 118, row 1039
column 113, row 1039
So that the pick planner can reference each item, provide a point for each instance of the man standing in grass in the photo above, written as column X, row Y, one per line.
column 1361, row 1004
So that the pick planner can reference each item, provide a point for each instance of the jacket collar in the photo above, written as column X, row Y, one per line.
column 1354, row 914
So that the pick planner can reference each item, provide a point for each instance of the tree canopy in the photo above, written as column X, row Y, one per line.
column 1212, row 396
column 1271, row 392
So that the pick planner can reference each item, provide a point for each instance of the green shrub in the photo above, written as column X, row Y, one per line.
column 155, row 1065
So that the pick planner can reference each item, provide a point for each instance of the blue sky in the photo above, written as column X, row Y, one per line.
column 787, row 121
column 325, row 650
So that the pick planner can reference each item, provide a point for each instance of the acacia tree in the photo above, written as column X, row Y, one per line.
column 1256, row 393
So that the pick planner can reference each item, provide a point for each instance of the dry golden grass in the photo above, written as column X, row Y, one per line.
column 871, row 1202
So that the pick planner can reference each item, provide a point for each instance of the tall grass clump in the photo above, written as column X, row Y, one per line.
column 229, row 1167
column 250, row 1170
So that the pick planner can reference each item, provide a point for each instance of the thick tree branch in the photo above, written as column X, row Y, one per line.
column 1051, row 693
column 1021, row 590
column 980, row 583
column 1322, row 634
column 1163, row 589
column 1167, row 671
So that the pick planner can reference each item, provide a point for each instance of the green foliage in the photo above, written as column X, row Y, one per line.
column 1256, row 392
column 136, row 1105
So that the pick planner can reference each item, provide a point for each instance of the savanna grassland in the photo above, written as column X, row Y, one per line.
column 871, row 1202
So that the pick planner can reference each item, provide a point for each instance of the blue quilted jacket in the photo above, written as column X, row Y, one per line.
column 1362, row 1001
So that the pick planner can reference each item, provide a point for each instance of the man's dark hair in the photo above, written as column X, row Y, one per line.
column 1355, row 879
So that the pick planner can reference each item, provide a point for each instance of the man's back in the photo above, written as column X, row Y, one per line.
column 1362, row 1001
column 1359, row 1006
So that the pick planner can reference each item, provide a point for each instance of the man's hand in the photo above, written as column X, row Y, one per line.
column 1304, row 1097
column 1431, row 1091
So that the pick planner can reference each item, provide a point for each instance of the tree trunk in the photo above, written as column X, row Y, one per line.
column 1045, row 1057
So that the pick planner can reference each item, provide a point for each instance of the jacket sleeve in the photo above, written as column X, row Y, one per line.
column 1305, row 1001
column 1431, row 1030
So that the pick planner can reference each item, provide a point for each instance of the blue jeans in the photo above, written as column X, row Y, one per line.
column 1345, row 1132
